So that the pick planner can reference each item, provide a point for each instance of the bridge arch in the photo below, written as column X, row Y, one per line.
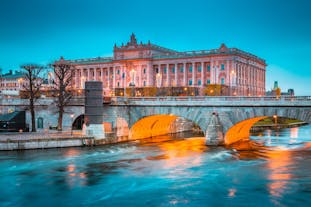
column 158, row 124
column 237, row 124
column 78, row 122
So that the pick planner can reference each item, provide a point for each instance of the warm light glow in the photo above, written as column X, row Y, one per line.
column 240, row 131
column 280, row 174
column 152, row 126
column 294, row 132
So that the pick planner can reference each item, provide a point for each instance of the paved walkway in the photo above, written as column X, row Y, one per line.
column 40, row 135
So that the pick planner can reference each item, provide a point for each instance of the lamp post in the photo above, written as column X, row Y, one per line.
column 71, row 116
column 275, row 117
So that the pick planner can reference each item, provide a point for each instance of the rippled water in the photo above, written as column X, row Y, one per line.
column 163, row 171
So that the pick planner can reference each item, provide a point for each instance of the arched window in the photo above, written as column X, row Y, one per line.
column 40, row 123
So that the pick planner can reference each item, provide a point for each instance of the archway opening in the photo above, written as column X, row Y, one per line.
column 242, row 130
column 78, row 122
column 161, row 124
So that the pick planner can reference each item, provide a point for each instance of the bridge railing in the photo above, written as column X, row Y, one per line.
column 214, row 100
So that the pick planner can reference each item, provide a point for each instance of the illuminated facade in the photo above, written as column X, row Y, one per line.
column 12, row 83
column 141, row 66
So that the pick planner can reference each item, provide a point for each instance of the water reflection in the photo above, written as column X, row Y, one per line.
column 294, row 132
column 279, row 171
column 164, row 171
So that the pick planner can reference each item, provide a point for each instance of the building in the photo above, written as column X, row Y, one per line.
column 147, row 69
column 276, row 91
column 12, row 83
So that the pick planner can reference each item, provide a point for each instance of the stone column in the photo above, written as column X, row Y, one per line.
column 95, row 74
column 77, row 79
column 202, row 74
column 176, row 76
column 102, row 74
column 108, row 70
column 185, row 76
column 211, row 72
column 114, row 76
column 88, row 74
column 214, row 132
column 168, row 74
column 193, row 74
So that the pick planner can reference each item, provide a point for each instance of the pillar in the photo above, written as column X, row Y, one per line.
column 185, row 78
column 168, row 74
column 176, row 70
column 202, row 74
column 214, row 132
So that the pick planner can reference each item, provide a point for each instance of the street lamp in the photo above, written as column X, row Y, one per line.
column 275, row 117
column 71, row 116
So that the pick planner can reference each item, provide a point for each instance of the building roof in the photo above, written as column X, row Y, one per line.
column 164, row 53
column 16, row 75
column 9, row 116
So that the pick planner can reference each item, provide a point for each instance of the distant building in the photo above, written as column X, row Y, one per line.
column 276, row 91
column 148, row 68
column 12, row 83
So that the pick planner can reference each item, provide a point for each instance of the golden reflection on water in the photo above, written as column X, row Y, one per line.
column 74, row 176
column 279, row 171
column 181, row 152
column 294, row 132
column 71, row 152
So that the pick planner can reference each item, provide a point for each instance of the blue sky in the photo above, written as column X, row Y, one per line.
column 276, row 30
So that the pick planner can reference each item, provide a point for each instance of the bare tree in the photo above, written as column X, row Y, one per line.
column 32, row 86
column 63, row 74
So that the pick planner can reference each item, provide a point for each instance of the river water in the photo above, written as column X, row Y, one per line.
column 163, row 171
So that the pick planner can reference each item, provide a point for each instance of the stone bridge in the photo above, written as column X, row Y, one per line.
column 222, row 119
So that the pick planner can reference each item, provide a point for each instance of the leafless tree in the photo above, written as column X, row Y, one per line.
column 32, row 86
column 63, row 75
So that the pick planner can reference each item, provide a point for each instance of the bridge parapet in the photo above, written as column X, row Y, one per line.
column 76, row 101
column 214, row 101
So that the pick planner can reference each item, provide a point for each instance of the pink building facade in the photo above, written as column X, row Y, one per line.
column 149, row 65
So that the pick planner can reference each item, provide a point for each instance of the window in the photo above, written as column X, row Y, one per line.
column 190, row 68
column 157, row 70
column 118, row 72
column 199, row 82
column 190, row 82
column 181, row 69
column 106, row 72
column 173, row 70
column 208, row 81
column 118, row 84
column 144, row 70
column 222, row 81
column 208, row 68
column 164, row 70
column 199, row 69
column 222, row 66
column 144, row 83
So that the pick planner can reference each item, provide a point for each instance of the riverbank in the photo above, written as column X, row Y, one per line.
column 261, row 127
column 43, row 140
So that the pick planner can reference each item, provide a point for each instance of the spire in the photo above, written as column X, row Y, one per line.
column 133, row 39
